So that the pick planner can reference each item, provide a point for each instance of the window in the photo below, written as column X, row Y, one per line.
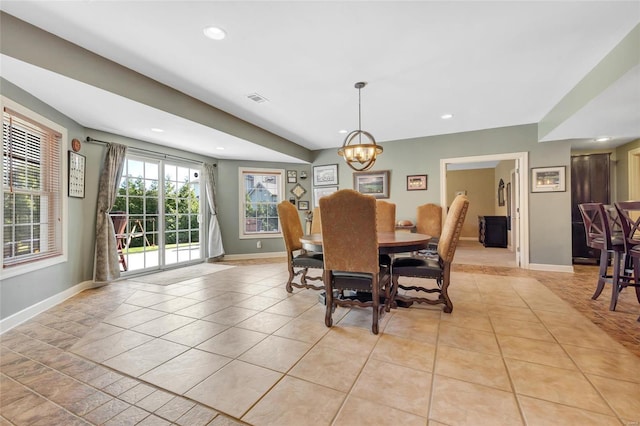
column 32, row 187
column 260, row 192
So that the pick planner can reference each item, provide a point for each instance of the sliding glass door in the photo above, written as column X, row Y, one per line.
column 158, row 211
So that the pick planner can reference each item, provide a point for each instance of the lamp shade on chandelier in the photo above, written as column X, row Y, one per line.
column 359, row 155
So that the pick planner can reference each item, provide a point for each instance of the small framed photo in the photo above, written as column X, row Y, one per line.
column 375, row 184
column 292, row 176
column 303, row 205
column 548, row 179
column 76, row 174
column 416, row 182
column 325, row 175
column 322, row 192
column 298, row 191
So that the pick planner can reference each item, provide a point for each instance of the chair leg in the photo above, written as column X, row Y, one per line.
column 636, row 277
column 602, row 274
column 615, row 281
column 446, row 276
column 328, row 320
column 290, row 280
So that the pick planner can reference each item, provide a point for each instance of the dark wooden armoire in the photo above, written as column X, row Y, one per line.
column 590, row 176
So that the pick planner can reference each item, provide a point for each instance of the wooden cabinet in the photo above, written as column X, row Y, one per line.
column 492, row 231
column 589, row 184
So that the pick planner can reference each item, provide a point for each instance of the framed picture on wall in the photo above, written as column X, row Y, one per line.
column 76, row 174
column 321, row 192
column 325, row 175
column 375, row 184
column 416, row 182
column 548, row 179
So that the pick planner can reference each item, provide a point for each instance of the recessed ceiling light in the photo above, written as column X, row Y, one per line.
column 603, row 139
column 343, row 131
column 214, row 33
column 221, row 148
column 446, row 116
column 157, row 130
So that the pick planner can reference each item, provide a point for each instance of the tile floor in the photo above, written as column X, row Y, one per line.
column 232, row 347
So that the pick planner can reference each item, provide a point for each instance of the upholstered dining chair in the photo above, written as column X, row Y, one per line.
column 429, row 222
column 438, row 268
column 385, row 216
column 316, row 223
column 350, row 248
column 598, row 222
column 299, row 260
column 629, row 214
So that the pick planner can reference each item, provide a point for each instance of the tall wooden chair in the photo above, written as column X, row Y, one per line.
column 298, row 259
column 316, row 223
column 598, row 230
column 385, row 216
column 438, row 268
column 429, row 222
column 629, row 214
column 350, row 248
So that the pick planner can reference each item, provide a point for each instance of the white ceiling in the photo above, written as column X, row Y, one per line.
column 491, row 64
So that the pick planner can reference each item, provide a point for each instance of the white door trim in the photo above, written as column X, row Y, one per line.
column 522, row 164
column 634, row 174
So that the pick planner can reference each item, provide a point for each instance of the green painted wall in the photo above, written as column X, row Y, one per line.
column 622, row 169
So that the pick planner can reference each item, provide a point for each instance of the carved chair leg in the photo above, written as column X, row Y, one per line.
column 446, row 277
column 602, row 274
column 290, row 280
column 615, row 282
column 375, row 296
column 303, row 277
column 328, row 320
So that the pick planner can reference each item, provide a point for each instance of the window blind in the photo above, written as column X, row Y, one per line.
column 32, row 190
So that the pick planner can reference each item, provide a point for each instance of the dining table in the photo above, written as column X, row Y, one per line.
column 388, row 242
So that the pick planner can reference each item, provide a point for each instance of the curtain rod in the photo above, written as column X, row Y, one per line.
column 90, row 139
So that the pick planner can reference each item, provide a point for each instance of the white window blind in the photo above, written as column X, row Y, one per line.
column 32, row 190
column 260, row 192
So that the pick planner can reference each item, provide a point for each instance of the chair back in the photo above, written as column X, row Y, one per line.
column 349, row 236
column 629, row 214
column 452, row 228
column 385, row 216
column 316, row 223
column 429, row 219
column 597, row 226
column 290, row 225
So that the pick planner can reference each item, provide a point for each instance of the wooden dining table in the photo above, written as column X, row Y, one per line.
column 388, row 242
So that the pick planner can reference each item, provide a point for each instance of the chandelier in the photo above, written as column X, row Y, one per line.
column 359, row 156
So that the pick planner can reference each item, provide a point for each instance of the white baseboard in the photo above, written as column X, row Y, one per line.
column 254, row 255
column 18, row 318
column 551, row 268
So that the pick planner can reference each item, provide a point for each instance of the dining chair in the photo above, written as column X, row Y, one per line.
column 429, row 222
column 598, row 220
column 299, row 260
column 385, row 216
column 437, row 268
column 629, row 214
column 316, row 223
column 350, row 248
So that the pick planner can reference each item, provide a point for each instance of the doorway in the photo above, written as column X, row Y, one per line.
column 158, row 203
column 519, row 209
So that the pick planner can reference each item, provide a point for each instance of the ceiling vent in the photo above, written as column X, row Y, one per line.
column 257, row 98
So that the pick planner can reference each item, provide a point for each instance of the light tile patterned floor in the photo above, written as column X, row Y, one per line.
column 232, row 347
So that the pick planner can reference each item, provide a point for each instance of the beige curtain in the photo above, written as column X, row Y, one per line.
column 214, row 245
column 107, row 267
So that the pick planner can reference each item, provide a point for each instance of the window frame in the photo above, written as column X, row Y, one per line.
column 242, row 171
column 35, row 265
